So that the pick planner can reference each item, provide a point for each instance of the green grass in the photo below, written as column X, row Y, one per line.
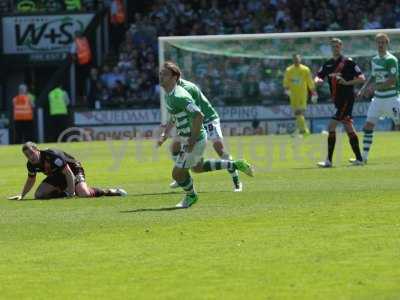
column 296, row 232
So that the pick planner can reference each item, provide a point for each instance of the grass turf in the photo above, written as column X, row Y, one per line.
column 296, row 232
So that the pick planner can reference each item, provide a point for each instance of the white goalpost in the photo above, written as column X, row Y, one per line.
column 239, row 55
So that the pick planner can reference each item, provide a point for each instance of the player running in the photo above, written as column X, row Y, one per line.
column 211, row 124
column 386, row 102
column 188, row 120
column 343, row 74
column 65, row 176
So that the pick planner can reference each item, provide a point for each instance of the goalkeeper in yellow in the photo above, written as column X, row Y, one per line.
column 297, row 83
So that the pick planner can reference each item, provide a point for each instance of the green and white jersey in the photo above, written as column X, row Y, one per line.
column 200, row 99
column 382, row 68
column 182, row 109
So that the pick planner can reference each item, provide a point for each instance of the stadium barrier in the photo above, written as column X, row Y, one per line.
column 235, row 120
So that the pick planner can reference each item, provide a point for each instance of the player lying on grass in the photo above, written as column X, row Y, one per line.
column 211, row 124
column 65, row 176
column 188, row 120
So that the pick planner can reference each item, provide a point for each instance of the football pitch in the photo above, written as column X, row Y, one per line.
column 295, row 232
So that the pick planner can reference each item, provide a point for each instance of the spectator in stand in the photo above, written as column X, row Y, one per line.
column 282, row 13
column 104, row 95
column 118, row 18
column 132, row 79
column 146, row 88
column 26, row 6
column 125, row 62
column 250, row 88
column 397, row 12
column 110, row 78
column 372, row 22
column 138, row 52
column 52, row 6
column 97, row 95
column 23, row 112
column 5, row 6
column 263, row 88
column 91, row 5
column 58, row 111
column 92, row 89
column 105, row 74
column 118, row 94
column 213, row 71
column 73, row 5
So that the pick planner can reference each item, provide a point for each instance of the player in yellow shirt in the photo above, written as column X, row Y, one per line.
column 298, row 82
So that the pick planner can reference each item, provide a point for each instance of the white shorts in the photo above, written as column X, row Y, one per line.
column 188, row 160
column 384, row 108
column 214, row 132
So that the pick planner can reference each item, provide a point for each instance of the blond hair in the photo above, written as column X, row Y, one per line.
column 382, row 35
column 29, row 146
column 336, row 40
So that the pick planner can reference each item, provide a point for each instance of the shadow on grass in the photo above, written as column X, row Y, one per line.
column 162, row 208
column 151, row 209
column 154, row 194
column 305, row 168
column 311, row 168
column 177, row 192
column 39, row 200
column 69, row 199
column 335, row 166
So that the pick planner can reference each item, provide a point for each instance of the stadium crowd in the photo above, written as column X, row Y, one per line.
column 131, row 80
column 233, row 80
column 51, row 6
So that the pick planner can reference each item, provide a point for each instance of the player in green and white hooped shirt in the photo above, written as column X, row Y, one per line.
column 386, row 102
column 188, row 120
column 211, row 124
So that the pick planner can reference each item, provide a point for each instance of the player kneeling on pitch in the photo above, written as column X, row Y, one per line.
column 65, row 176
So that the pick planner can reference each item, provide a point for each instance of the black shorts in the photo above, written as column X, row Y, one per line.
column 344, row 111
column 58, row 180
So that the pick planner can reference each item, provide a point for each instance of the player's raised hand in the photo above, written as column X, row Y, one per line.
column 341, row 80
column 314, row 97
column 318, row 81
column 287, row 92
column 16, row 197
column 69, row 194
column 361, row 93
column 190, row 144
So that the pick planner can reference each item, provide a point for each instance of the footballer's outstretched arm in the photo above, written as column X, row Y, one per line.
column 356, row 80
column 29, row 183
column 165, row 132
column 361, row 92
column 197, row 124
column 70, row 178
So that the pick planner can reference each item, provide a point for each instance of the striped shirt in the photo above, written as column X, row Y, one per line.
column 382, row 68
column 200, row 99
column 182, row 109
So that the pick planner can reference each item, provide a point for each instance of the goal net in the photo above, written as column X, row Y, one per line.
column 248, row 69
